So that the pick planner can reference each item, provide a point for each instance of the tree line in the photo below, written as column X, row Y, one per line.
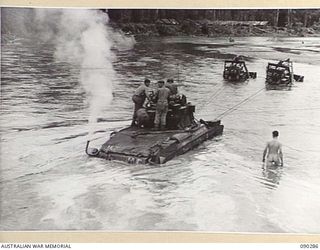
column 275, row 17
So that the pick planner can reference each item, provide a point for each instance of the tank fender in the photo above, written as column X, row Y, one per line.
column 210, row 123
column 180, row 137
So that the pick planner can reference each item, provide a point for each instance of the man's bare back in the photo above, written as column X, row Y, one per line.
column 273, row 151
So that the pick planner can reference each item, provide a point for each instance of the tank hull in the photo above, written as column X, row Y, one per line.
column 136, row 145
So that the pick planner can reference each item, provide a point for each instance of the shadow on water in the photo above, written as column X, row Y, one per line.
column 178, row 52
column 279, row 87
column 235, row 84
column 287, row 50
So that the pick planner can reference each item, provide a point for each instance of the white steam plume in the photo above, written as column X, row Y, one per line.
column 81, row 38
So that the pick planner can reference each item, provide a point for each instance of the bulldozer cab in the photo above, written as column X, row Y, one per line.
column 280, row 73
column 235, row 70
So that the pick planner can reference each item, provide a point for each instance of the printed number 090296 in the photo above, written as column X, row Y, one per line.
column 314, row 246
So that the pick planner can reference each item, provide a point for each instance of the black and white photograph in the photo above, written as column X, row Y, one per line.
column 152, row 120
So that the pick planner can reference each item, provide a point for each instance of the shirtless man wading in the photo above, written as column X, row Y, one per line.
column 273, row 151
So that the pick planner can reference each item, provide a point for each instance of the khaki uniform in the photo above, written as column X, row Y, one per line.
column 173, row 88
column 162, row 107
column 138, row 98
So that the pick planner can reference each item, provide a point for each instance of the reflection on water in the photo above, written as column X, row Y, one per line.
column 272, row 174
column 47, row 182
column 275, row 87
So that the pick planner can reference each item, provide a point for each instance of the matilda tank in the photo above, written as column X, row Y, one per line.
column 142, row 144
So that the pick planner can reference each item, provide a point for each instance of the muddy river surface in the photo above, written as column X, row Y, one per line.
column 48, row 183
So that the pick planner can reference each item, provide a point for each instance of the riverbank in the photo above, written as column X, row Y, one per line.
column 171, row 27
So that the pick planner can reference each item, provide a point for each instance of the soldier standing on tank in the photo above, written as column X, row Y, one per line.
column 162, row 95
column 138, row 98
column 172, row 87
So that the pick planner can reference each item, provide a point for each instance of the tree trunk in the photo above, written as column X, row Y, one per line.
column 277, row 18
column 305, row 21
column 289, row 18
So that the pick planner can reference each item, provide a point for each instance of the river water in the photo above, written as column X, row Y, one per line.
column 49, row 183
